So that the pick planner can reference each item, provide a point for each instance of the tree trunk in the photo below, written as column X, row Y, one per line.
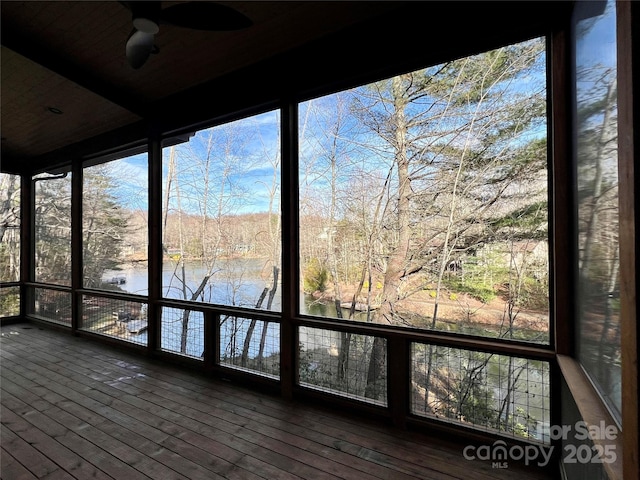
column 397, row 258
column 272, row 294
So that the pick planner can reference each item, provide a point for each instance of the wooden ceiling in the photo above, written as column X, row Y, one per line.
column 68, row 90
column 69, row 57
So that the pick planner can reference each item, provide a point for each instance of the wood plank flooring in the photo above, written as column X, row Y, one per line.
column 73, row 408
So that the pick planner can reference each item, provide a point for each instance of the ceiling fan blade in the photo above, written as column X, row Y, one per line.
column 200, row 15
column 139, row 47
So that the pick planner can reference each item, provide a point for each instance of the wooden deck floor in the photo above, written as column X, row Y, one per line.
column 74, row 408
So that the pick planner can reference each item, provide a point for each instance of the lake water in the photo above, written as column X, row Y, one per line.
column 236, row 282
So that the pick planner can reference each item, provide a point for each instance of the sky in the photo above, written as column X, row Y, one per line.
column 248, row 149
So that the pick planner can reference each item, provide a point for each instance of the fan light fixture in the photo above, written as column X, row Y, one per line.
column 147, row 16
column 139, row 47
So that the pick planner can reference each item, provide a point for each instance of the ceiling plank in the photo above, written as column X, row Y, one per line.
column 24, row 45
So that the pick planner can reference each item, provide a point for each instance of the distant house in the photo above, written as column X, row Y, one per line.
column 530, row 254
column 530, row 251
column 243, row 248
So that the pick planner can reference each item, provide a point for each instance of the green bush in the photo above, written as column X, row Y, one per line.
column 477, row 290
column 315, row 277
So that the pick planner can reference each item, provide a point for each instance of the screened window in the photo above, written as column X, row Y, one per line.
column 249, row 344
column 221, row 215
column 597, row 182
column 484, row 390
column 52, row 237
column 9, row 244
column 342, row 363
column 122, row 319
column 51, row 305
column 424, row 198
column 114, row 225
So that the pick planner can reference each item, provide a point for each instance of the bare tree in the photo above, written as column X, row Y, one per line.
column 9, row 227
column 450, row 130
column 211, row 226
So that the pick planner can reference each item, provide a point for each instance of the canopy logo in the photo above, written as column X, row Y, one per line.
column 499, row 453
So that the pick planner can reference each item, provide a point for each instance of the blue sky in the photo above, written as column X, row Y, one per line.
column 250, row 147
column 599, row 43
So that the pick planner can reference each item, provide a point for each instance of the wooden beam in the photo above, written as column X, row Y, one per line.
column 562, row 221
column 154, row 248
column 77, row 260
column 106, row 144
column 290, row 246
column 41, row 54
column 26, row 245
column 628, row 30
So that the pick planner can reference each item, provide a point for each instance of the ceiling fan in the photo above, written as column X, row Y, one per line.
column 147, row 16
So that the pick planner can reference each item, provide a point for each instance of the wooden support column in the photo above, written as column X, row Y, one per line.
column 27, row 247
column 562, row 200
column 76, row 245
column 562, row 234
column 628, row 31
column 154, row 248
column 398, row 379
column 290, row 223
